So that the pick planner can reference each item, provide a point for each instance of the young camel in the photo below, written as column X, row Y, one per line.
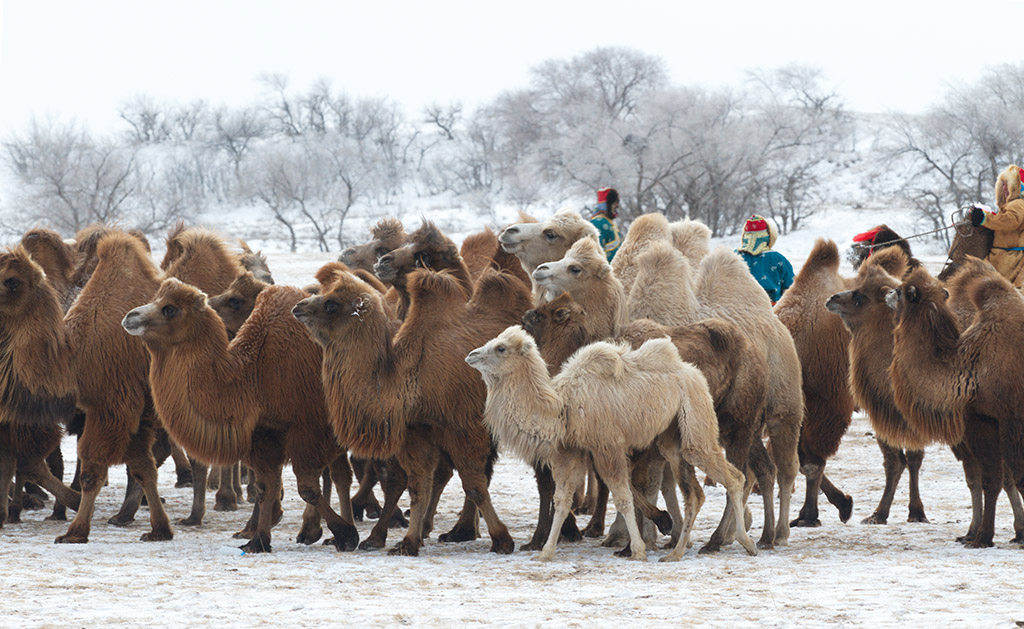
column 258, row 399
column 607, row 401
column 37, row 394
column 408, row 397
column 954, row 386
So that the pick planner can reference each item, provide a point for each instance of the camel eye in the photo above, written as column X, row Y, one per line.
column 423, row 260
column 12, row 284
column 380, row 252
column 549, row 234
column 331, row 306
column 500, row 349
column 858, row 298
column 575, row 270
column 235, row 303
column 169, row 312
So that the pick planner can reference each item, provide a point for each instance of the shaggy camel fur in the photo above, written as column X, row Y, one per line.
column 413, row 397
column 387, row 235
column 585, row 274
column 483, row 251
column 822, row 343
column 736, row 377
column 602, row 404
column 688, row 237
column 255, row 263
column 37, row 394
column 234, row 305
column 536, row 243
column 723, row 288
column 57, row 259
column 259, row 399
column 954, row 386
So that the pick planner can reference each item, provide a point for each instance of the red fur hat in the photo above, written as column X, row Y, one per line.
column 755, row 224
column 602, row 195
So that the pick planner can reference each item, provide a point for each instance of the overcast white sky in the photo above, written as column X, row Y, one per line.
column 80, row 59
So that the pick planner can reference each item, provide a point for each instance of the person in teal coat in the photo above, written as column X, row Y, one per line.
column 770, row 268
column 603, row 218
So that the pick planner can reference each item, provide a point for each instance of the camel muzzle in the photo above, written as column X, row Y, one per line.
column 542, row 273
column 133, row 323
column 474, row 358
column 892, row 298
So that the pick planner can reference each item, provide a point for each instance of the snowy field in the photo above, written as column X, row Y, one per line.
column 838, row 574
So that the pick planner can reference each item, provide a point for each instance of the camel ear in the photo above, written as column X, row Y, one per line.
column 912, row 295
column 562, row 315
column 199, row 301
column 604, row 270
column 946, row 293
column 361, row 304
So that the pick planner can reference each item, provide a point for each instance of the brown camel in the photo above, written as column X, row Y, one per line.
column 414, row 397
column 37, row 395
column 255, row 263
column 535, row 243
column 258, row 399
column 387, row 235
column 607, row 401
column 822, row 343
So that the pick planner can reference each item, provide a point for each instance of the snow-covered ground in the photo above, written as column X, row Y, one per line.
column 839, row 574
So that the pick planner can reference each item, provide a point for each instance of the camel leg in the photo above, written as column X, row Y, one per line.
column 647, row 476
column 341, row 475
column 568, row 470
column 345, row 535
column 268, row 489
column 225, row 498
column 546, row 512
column 972, row 476
column 92, row 479
column 200, row 473
column 668, row 491
column 693, row 500
column 813, row 469
column 595, row 528
column 737, row 451
column 916, row 507
column 56, row 462
column 614, row 469
column 761, row 467
column 40, row 473
column 784, row 434
column 17, row 499
column 236, row 480
column 1013, row 495
column 721, row 471
column 130, row 505
column 839, row 499
column 893, row 462
column 394, row 482
column 473, row 467
column 983, row 440
column 8, row 468
column 364, row 501
column 182, row 466
column 419, row 458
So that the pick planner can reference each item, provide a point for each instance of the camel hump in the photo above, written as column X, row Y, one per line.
column 691, row 238
column 892, row 260
column 330, row 272
column 658, row 355
column 443, row 284
column 600, row 359
column 659, row 255
column 990, row 288
column 824, row 256
column 115, row 244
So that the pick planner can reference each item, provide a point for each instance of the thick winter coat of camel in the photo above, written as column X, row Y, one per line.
column 606, row 401
column 689, row 237
column 413, row 397
column 736, row 377
column 822, row 343
column 387, row 235
column 37, row 394
column 955, row 386
column 722, row 287
column 258, row 399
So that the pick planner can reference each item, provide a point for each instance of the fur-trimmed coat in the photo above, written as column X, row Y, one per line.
column 1008, row 227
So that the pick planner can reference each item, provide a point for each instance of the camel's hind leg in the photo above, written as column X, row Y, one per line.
column 1013, row 495
column 341, row 475
column 568, row 470
column 472, row 465
column 182, row 466
column 200, row 473
column 983, row 440
column 56, row 464
column 39, row 472
column 308, row 480
column 893, row 462
column 761, row 467
column 225, row 498
column 419, row 458
column 130, row 505
column 595, row 527
column 972, row 476
column 364, row 502
column 139, row 458
column 784, row 433
column 8, row 467
column 916, row 507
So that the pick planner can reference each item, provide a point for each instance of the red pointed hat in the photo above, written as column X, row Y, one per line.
column 755, row 224
column 602, row 195
column 868, row 236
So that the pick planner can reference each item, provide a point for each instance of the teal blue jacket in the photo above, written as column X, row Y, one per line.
column 608, row 233
column 772, row 271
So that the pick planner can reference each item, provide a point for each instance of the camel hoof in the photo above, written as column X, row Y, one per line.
column 71, row 539
column 193, row 520
column 405, row 549
column 244, row 534
column 371, row 544
column 346, row 540
column 398, row 521
column 640, row 556
column 766, row 545
column 56, row 517
column 256, row 545
column 918, row 517
column 225, row 505
column 1018, row 538
column 669, row 558
column 31, row 502
column 457, row 535
column 532, row 545
column 978, row 543
column 184, row 480
column 503, row 545
column 664, row 522
column 875, row 518
column 802, row 523
column 625, row 552
column 845, row 509
column 121, row 520
column 157, row 536
column 571, row 535
column 309, row 537
column 710, row 548
column 594, row 531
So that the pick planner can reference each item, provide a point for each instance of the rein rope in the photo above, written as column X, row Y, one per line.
column 958, row 220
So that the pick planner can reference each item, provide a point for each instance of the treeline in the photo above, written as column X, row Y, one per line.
column 313, row 158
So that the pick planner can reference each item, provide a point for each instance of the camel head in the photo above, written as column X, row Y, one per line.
column 537, row 243
column 50, row 251
column 504, row 353
column 425, row 248
column 255, row 263
column 582, row 263
column 388, row 235
column 20, row 280
column 172, row 317
column 338, row 308
column 236, row 304
column 559, row 320
column 866, row 302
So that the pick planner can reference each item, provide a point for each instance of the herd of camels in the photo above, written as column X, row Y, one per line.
column 411, row 358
